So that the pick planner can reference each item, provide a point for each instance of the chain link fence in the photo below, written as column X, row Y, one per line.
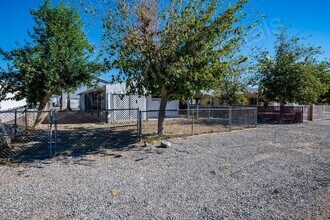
column 69, row 133
column 114, row 115
column 20, row 139
column 320, row 112
column 119, row 101
column 185, row 122
column 77, row 133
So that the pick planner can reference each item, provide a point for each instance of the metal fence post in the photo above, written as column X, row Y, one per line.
column 139, row 125
column 25, row 118
column 256, row 117
column 310, row 114
column 55, row 130
column 209, row 111
column 197, row 113
column 230, row 118
column 50, row 132
column 15, row 125
column 113, row 117
column 92, row 97
column 192, row 122
column 129, row 107
column 107, row 115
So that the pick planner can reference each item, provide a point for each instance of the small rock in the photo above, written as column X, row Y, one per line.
column 165, row 144
column 276, row 191
column 146, row 144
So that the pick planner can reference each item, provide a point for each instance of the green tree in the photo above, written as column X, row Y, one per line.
column 233, row 88
column 58, row 57
column 233, row 92
column 324, row 76
column 172, row 50
column 292, row 74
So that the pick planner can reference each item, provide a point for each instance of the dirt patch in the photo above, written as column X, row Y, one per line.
column 184, row 127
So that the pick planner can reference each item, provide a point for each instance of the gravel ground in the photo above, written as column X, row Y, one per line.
column 272, row 172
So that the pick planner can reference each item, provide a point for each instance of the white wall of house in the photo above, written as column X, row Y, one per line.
column 75, row 96
column 144, row 103
column 116, row 98
column 10, row 104
column 154, row 103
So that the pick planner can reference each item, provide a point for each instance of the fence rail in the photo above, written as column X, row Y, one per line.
column 19, row 108
column 193, row 121
column 81, row 132
column 78, row 132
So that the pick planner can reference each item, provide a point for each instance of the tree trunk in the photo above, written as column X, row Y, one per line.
column 162, row 110
column 282, row 112
column 68, row 103
column 42, row 105
column 45, row 103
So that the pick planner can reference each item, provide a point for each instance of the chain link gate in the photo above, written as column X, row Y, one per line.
column 21, row 140
column 78, row 133
column 70, row 133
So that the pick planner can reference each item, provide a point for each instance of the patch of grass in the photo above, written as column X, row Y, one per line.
column 113, row 192
column 226, row 166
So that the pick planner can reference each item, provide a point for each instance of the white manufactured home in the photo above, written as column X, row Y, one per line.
column 104, row 95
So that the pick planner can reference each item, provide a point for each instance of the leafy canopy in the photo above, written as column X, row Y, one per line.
column 58, row 57
column 174, row 49
column 232, row 89
column 292, row 75
column 324, row 75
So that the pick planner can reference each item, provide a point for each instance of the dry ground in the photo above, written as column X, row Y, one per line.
column 78, row 133
column 271, row 172
column 184, row 127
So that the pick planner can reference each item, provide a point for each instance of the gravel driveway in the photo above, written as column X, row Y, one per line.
column 272, row 172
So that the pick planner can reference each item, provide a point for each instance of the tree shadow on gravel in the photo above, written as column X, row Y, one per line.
column 75, row 142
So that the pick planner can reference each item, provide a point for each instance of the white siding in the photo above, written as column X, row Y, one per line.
column 10, row 104
column 153, row 104
column 116, row 98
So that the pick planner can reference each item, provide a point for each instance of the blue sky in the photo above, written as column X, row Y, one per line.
column 307, row 16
